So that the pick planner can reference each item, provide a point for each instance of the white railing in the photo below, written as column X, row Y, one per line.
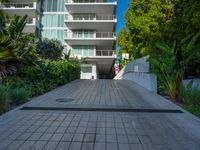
column 89, row 17
column 89, row 35
column 18, row 5
column 138, row 72
column 89, row 1
column 105, row 53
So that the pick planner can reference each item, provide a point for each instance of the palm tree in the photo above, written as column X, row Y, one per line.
column 3, row 18
column 15, row 29
column 8, row 59
column 16, row 47
column 172, row 62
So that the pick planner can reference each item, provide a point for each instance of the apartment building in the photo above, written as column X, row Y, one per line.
column 85, row 27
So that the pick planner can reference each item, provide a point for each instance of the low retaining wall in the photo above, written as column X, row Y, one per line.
column 195, row 84
column 138, row 72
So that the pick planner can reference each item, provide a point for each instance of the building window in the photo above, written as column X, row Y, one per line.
column 52, row 20
column 54, row 34
column 83, row 50
column 86, row 69
column 84, row 34
column 53, row 5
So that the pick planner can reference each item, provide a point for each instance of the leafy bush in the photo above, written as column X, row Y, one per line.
column 31, row 73
column 37, row 88
column 16, row 82
column 50, row 49
column 36, row 80
column 4, row 99
column 192, row 97
column 61, row 72
column 19, row 95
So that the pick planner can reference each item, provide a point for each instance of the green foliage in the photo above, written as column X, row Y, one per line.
column 39, row 88
column 19, row 95
column 60, row 72
column 15, row 47
column 4, row 99
column 153, row 21
column 8, row 59
column 31, row 73
column 146, row 23
column 192, row 100
column 51, row 49
column 67, row 55
column 171, row 63
column 3, row 17
column 191, row 95
column 35, row 80
column 14, row 30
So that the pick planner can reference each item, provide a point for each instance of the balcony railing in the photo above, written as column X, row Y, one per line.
column 105, row 53
column 89, row 1
column 90, row 35
column 89, row 17
column 17, row 5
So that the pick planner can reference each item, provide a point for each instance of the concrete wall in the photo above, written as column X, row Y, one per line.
column 138, row 72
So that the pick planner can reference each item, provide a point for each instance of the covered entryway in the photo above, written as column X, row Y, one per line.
column 97, row 67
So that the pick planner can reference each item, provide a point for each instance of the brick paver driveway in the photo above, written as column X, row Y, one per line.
column 100, row 114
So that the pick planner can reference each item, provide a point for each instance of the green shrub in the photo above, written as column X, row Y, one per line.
column 51, row 49
column 38, row 88
column 15, row 82
column 19, row 95
column 4, row 99
column 61, row 72
column 192, row 97
column 33, row 81
column 30, row 73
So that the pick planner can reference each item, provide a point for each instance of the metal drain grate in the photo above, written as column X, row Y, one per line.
column 64, row 100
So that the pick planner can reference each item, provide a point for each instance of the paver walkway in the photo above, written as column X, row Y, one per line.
column 99, row 130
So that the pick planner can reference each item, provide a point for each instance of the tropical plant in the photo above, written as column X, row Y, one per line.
column 171, row 63
column 51, row 49
column 3, row 17
column 147, row 23
column 15, row 47
column 15, row 30
column 8, row 59
column 67, row 55
column 4, row 98
column 19, row 95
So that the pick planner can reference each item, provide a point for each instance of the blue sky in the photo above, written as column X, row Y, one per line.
column 122, row 6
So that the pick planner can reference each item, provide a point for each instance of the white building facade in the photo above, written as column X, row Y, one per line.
column 85, row 27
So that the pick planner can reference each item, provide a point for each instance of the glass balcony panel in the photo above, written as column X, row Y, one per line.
column 89, row 1
column 17, row 5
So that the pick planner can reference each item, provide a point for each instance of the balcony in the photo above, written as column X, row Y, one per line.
column 101, row 22
column 20, row 8
column 81, row 17
column 91, row 6
column 90, row 1
column 89, row 35
column 97, row 54
column 91, row 38
column 18, row 5
column 105, row 53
